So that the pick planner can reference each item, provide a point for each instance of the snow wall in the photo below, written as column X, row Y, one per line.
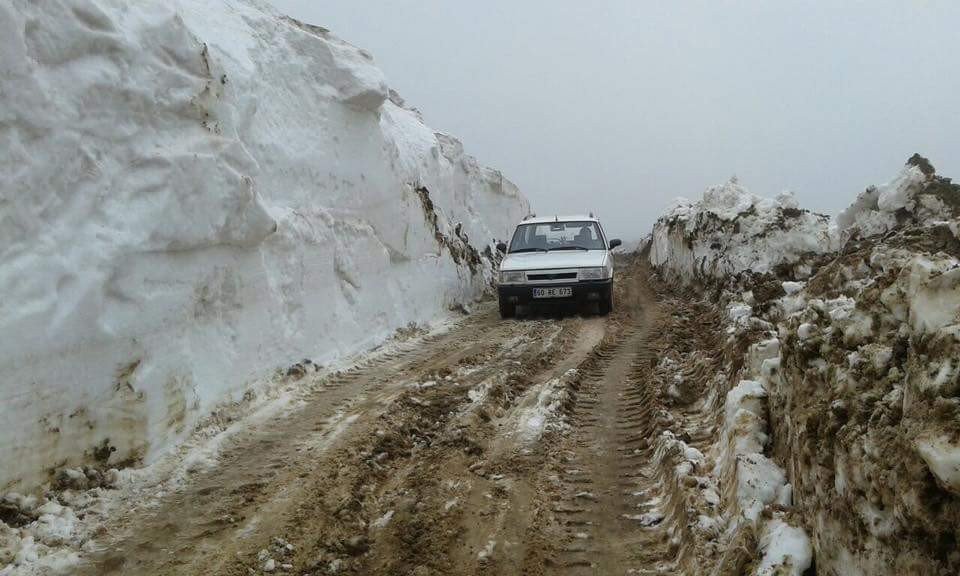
column 194, row 194
column 850, row 387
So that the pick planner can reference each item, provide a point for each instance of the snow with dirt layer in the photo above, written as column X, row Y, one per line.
column 841, row 436
column 194, row 194
column 916, row 195
column 731, row 230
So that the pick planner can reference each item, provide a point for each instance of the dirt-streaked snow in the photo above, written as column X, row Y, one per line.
column 841, row 436
column 731, row 230
column 195, row 194
column 915, row 195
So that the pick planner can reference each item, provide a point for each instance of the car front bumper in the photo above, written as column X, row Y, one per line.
column 583, row 291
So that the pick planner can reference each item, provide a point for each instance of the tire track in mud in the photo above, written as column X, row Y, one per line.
column 260, row 471
column 445, row 501
column 619, row 505
column 419, row 461
column 600, row 469
column 317, row 474
column 693, row 418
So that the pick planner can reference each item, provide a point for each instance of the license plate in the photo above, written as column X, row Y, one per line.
column 564, row 292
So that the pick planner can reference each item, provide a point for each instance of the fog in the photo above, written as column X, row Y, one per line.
column 617, row 107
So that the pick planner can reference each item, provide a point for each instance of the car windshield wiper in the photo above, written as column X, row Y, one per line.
column 569, row 248
column 528, row 250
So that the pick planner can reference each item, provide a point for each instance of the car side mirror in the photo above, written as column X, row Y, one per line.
column 614, row 243
column 501, row 247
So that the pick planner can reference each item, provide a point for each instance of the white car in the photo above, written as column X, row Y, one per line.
column 557, row 259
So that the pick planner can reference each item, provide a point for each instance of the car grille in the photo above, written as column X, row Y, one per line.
column 552, row 276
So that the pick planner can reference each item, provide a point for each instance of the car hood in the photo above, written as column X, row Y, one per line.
column 554, row 260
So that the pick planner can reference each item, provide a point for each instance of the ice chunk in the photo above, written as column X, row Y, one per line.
column 793, row 287
column 786, row 550
column 943, row 458
column 759, row 481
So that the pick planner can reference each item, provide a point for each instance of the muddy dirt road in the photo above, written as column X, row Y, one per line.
column 517, row 447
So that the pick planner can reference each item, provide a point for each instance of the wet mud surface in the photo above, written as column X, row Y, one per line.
column 497, row 447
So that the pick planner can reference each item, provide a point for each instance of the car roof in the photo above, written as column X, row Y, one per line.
column 545, row 219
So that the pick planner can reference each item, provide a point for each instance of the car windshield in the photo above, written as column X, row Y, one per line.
column 548, row 236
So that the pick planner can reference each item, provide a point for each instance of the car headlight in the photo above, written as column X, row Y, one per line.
column 511, row 277
column 593, row 273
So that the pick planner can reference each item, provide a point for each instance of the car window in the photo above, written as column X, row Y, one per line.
column 557, row 236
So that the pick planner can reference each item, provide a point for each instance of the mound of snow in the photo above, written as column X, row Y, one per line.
column 730, row 231
column 868, row 384
column 847, row 400
column 195, row 193
column 915, row 195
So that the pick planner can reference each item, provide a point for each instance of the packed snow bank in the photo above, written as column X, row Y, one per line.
column 916, row 196
column 731, row 230
column 847, row 393
column 758, row 494
column 868, row 406
column 722, row 499
column 194, row 194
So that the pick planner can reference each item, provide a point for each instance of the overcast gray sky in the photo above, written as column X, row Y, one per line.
column 618, row 106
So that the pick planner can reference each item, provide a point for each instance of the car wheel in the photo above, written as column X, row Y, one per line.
column 606, row 304
column 507, row 310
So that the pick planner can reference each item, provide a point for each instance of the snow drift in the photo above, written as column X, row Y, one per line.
column 868, row 409
column 849, row 394
column 193, row 194
column 916, row 196
column 731, row 230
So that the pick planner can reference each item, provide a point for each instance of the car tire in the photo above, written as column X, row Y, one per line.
column 507, row 310
column 606, row 304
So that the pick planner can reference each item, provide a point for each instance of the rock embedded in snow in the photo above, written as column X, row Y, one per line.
column 234, row 191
